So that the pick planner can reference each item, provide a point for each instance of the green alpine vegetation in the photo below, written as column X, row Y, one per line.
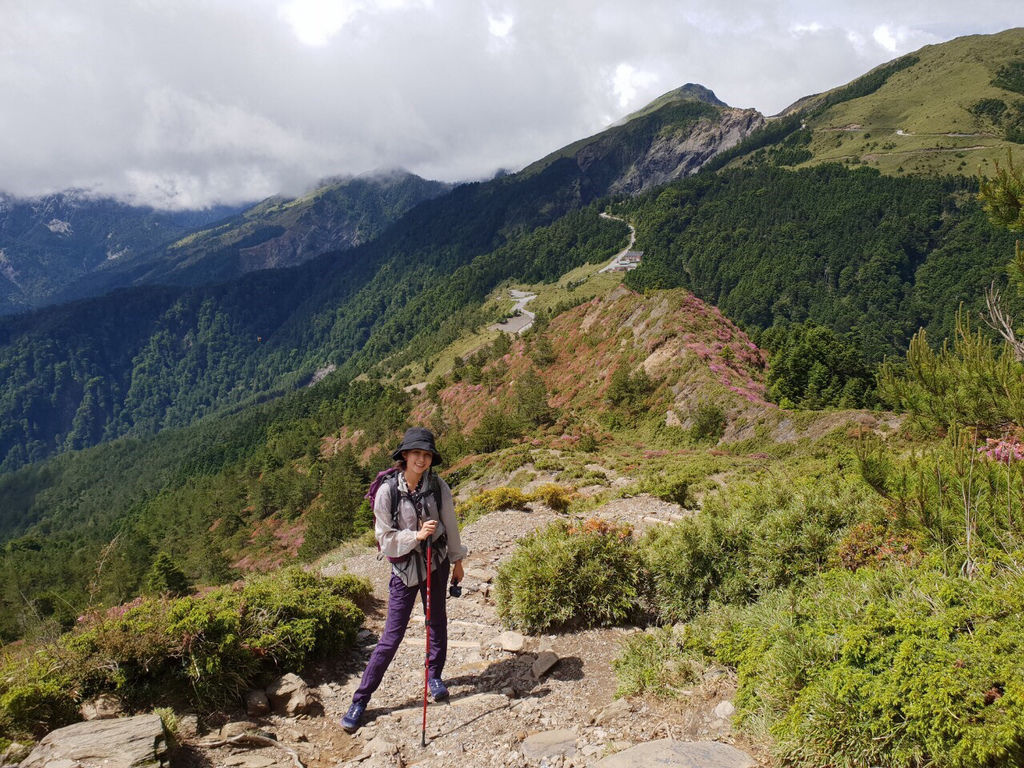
column 871, row 257
column 856, row 572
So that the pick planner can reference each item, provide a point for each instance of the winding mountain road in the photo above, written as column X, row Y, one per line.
column 521, row 318
column 617, row 259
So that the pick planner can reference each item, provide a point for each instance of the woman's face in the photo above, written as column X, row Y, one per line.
column 417, row 460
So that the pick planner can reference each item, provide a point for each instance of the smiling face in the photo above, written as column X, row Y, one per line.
column 418, row 461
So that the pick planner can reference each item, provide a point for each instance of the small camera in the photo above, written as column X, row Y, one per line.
column 455, row 590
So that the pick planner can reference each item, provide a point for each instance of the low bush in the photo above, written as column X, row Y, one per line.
column 889, row 668
column 570, row 577
column 709, row 423
column 655, row 662
column 676, row 489
column 489, row 501
column 749, row 540
column 204, row 648
column 557, row 497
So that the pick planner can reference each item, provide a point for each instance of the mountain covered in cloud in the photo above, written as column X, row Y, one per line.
column 181, row 339
column 47, row 243
column 71, row 246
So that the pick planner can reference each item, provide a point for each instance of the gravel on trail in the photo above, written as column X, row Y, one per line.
column 514, row 700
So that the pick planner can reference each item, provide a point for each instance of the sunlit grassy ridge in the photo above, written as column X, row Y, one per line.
column 909, row 124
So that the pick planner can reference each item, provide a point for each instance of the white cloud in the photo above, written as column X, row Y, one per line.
column 628, row 81
column 315, row 22
column 885, row 38
column 187, row 102
column 500, row 26
column 806, row 29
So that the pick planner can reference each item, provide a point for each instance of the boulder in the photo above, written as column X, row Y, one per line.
column 289, row 695
column 123, row 742
column 669, row 753
column 237, row 728
column 544, row 662
column 725, row 710
column 618, row 708
column 550, row 744
column 513, row 642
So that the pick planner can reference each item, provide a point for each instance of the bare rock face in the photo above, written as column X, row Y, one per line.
column 673, row 156
column 123, row 742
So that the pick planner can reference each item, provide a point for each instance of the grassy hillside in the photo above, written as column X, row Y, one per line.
column 925, row 118
column 250, row 490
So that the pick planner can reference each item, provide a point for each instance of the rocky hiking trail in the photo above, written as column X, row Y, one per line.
column 515, row 700
column 540, row 702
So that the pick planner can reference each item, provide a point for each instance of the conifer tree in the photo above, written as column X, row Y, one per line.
column 165, row 578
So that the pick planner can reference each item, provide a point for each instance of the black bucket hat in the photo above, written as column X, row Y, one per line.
column 418, row 439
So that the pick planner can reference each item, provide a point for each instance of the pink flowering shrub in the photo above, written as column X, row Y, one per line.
column 1004, row 449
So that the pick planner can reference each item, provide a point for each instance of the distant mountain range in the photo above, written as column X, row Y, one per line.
column 204, row 321
column 182, row 401
column 48, row 243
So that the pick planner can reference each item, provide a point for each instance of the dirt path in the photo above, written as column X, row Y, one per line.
column 497, row 700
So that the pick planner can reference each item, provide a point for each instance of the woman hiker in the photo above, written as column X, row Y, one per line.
column 424, row 510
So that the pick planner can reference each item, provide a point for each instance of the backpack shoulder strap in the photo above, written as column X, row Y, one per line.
column 393, row 493
column 436, row 491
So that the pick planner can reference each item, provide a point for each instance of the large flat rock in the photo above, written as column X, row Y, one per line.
column 668, row 753
column 123, row 742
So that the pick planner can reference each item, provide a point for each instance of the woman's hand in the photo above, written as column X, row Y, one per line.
column 457, row 571
column 429, row 526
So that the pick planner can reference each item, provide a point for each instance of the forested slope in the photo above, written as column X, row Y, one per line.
column 862, row 253
column 169, row 356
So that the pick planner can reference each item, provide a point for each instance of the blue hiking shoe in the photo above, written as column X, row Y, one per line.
column 438, row 691
column 352, row 719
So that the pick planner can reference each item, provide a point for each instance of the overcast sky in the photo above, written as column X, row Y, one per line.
column 185, row 103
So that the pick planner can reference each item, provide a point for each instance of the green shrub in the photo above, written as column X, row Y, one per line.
column 549, row 464
column 557, row 497
column 629, row 391
column 206, row 648
column 569, row 577
column 675, row 489
column 489, row 501
column 516, row 458
column 747, row 541
column 595, row 476
column 708, row 423
column 498, row 428
column 654, row 662
column 36, row 707
column 166, row 578
column 893, row 668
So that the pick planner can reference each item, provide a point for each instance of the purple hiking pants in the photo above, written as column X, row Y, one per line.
column 400, row 602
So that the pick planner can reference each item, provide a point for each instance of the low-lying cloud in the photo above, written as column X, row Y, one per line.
column 186, row 103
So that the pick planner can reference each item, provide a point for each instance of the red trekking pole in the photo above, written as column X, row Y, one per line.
column 426, row 656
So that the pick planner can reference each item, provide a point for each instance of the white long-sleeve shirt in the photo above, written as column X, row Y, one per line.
column 400, row 541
